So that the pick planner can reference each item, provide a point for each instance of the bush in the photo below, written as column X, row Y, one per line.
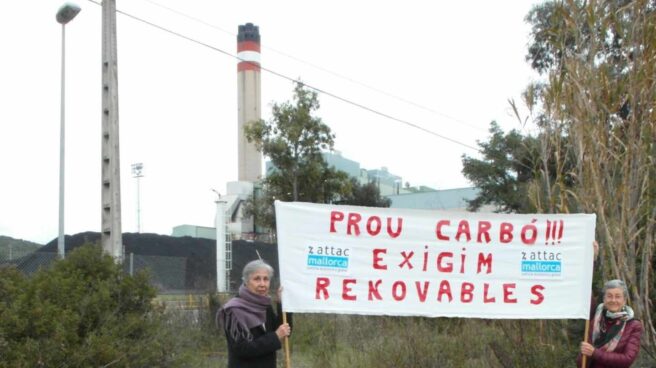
column 82, row 312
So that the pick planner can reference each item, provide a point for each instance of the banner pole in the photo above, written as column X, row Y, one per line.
column 288, row 363
column 585, row 339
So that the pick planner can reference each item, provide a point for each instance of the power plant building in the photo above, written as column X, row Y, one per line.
column 249, row 108
column 250, row 159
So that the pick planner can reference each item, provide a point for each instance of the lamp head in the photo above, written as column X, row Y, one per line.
column 67, row 12
column 137, row 170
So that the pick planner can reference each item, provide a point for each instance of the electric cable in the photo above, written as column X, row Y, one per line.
column 318, row 67
column 335, row 96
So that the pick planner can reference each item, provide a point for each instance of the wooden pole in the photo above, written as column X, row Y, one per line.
column 288, row 363
column 584, row 359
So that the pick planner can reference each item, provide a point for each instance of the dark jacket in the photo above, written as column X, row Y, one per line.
column 625, row 352
column 261, row 351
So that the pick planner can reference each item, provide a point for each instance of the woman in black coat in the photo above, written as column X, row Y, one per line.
column 253, row 331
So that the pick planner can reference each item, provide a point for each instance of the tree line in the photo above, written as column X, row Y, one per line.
column 594, row 152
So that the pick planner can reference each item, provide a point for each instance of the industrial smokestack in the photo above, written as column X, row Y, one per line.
column 249, row 105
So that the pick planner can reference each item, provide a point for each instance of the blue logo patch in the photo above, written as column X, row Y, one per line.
column 546, row 268
column 327, row 261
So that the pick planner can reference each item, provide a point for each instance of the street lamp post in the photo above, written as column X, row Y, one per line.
column 65, row 14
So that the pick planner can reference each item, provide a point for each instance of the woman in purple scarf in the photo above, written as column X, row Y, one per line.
column 253, row 331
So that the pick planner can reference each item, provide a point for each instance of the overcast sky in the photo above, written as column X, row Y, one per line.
column 449, row 67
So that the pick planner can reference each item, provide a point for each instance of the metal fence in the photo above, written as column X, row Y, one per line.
column 171, row 274
column 28, row 263
column 167, row 274
column 189, row 266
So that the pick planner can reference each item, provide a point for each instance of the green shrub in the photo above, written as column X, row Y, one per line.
column 82, row 312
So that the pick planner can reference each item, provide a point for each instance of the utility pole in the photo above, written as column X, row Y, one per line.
column 111, row 237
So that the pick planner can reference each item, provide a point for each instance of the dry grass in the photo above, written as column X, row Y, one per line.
column 337, row 341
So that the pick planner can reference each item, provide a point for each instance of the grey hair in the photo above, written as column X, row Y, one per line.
column 616, row 284
column 253, row 266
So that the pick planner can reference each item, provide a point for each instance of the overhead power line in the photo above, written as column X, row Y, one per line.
column 325, row 70
column 335, row 96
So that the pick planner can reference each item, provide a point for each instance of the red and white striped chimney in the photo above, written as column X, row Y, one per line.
column 249, row 102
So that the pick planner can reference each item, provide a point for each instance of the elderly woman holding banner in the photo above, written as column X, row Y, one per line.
column 253, row 331
column 614, row 337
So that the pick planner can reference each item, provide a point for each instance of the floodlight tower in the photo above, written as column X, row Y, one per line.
column 137, row 173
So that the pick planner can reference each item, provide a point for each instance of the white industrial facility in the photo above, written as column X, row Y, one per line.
column 231, row 224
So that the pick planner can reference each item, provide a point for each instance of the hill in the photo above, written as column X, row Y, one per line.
column 11, row 248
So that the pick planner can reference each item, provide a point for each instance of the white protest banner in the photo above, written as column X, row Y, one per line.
column 382, row 261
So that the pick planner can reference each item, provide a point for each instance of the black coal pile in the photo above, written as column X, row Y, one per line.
column 174, row 263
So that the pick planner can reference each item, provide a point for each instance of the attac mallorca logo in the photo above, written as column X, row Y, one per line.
column 545, row 263
column 326, row 257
